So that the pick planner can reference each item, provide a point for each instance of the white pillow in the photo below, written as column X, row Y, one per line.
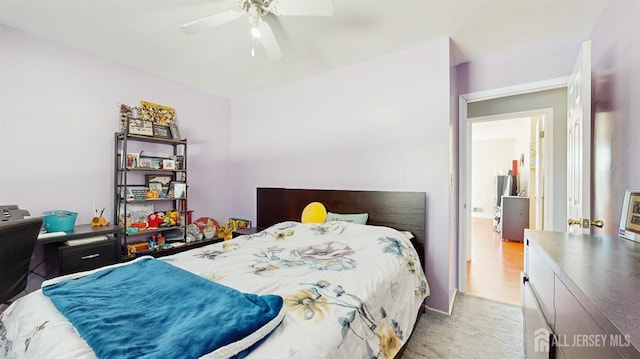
column 359, row 218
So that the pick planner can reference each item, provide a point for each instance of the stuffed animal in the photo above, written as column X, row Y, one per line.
column 172, row 218
column 209, row 229
column 154, row 220
column 99, row 222
column 193, row 233
column 151, row 194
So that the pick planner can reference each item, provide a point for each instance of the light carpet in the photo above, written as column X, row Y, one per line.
column 477, row 328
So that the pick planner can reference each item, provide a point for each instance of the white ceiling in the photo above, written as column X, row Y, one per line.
column 515, row 128
column 144, row 34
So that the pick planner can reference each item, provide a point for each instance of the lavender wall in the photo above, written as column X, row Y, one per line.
column 615, row 90
column 616, row 109
column 382, row 124
column 58, row 114
column 536, row 63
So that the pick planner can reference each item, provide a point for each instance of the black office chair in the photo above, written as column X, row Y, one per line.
column 17, row 240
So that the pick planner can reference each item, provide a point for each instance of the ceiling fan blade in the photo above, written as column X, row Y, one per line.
column 210, row 21
column 269, row 41
column 302, row 7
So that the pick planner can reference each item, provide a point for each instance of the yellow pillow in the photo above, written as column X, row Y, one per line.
column 314, row 212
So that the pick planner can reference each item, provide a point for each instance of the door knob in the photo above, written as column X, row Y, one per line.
column 599, row 223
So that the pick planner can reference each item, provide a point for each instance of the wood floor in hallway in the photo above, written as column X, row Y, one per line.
column 495, row 266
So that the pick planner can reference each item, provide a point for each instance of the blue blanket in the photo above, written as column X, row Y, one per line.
column 152, row 309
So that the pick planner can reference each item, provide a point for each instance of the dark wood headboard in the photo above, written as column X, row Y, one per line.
column 404, row 211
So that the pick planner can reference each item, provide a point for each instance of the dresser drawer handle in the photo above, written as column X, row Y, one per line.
column 90, row 256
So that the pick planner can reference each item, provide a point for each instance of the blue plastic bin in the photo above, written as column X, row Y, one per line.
column 59, row 220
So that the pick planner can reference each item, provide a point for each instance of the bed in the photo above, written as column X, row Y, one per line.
column 331, row 290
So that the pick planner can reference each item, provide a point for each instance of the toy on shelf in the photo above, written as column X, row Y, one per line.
column 210, row 229
column 226, row 232
column 171, row 218
column 155, row 219
column 151, row 194
column 207, row 226
column 140, row 225
column 98, row 220
column 193, row 233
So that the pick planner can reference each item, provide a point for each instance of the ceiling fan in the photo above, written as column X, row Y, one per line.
column 260, row 30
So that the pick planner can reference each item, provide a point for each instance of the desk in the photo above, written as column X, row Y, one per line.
column 62, row 258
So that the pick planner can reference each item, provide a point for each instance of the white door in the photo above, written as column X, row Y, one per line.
column 579, row 143
column 538, row 164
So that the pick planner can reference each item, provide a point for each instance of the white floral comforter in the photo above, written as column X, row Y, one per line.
column 350, row 291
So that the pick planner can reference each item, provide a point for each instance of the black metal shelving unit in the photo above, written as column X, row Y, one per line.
column 125, row 177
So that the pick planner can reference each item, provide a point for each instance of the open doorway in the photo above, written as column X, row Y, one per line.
column 524, row 100
column 503, row 168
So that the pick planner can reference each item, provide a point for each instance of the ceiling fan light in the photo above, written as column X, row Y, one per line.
column 255, row 32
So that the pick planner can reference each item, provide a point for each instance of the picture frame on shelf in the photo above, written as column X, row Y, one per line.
column 175, row 132
column 240, row 223
column 136, row 213
column 158, row 114
column 177, row 189
column 168, row 164
column 156, row 162
column 126, row 113
column 133, row 160
column 630, row 216
column 144, row 162
column 164, row 179
column 140, row 127
column 180, row 162
column 632, row 220
column 160, row 131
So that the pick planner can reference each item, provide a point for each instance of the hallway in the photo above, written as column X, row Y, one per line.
column 495, row 266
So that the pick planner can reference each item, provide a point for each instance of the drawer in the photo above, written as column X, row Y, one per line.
column 579, row 335
column 538, row 337
column 541, row 278
column 87, row 256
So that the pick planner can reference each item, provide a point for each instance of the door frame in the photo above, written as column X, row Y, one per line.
column 464, row 160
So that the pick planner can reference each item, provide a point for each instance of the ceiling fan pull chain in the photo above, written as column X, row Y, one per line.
column 253, row 46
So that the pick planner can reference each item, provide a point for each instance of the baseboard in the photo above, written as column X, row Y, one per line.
column 437, row 311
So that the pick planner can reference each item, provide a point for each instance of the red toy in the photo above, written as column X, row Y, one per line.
column 154, row 220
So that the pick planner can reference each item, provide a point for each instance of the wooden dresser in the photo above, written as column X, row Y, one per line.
column 580, row 296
